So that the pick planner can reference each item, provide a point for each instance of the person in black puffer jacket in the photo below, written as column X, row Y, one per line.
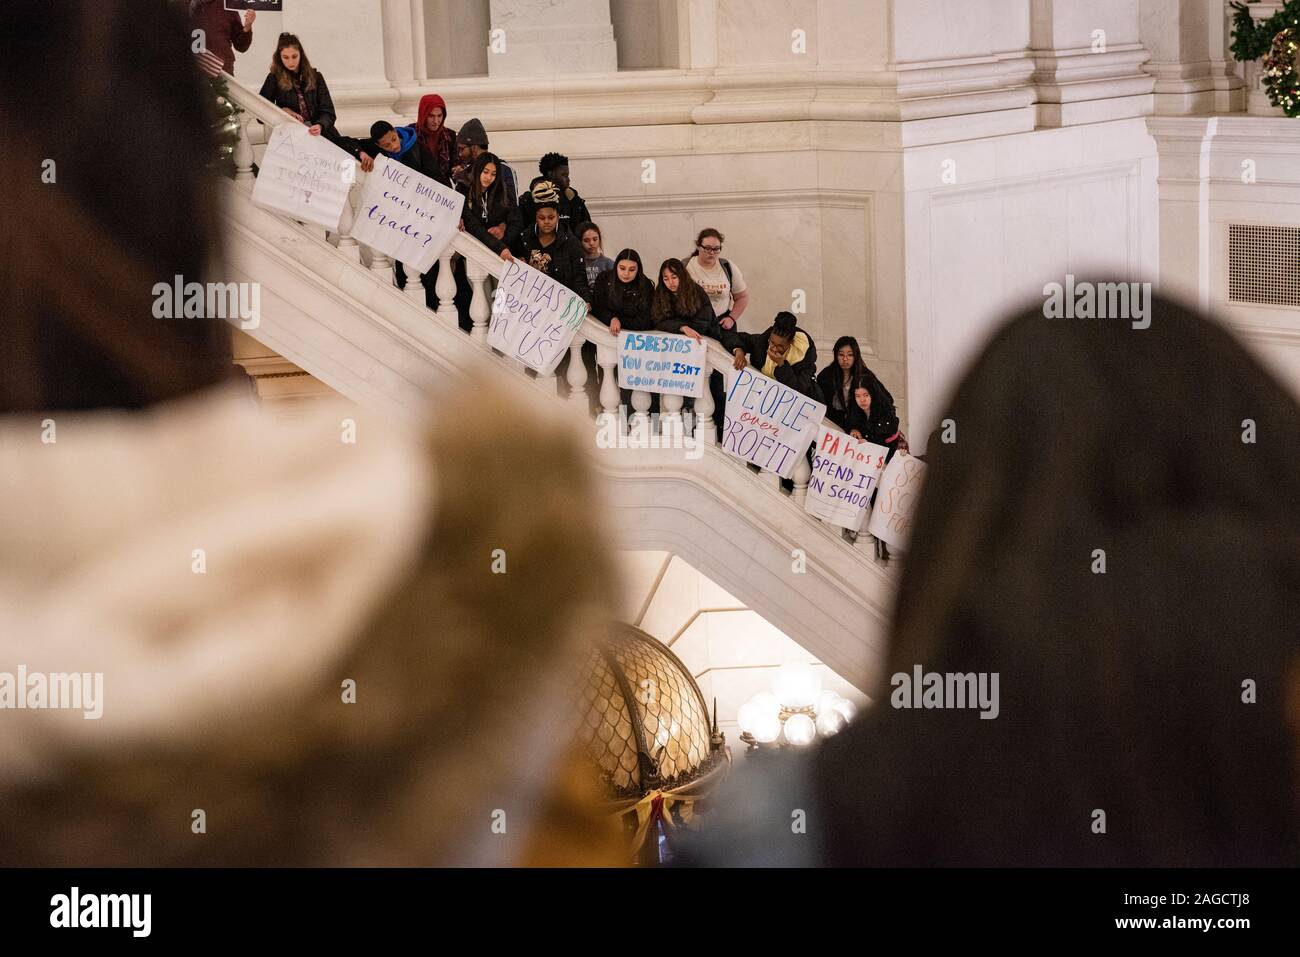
column 786, row 353
column 623, row 296
column 550, row 248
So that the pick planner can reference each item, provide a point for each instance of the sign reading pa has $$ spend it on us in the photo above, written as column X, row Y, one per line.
column 534, row 318
column 767, row 423
column 661, row 362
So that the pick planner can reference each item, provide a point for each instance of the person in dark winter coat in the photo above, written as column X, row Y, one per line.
column 554, row 167
column 471, row 143
column 839, row 380
column 299, row 89
column 681, row 306
column 623, row 296
column 225, row 32
column 550, row 248
column 873, row 421
column 785, row 353
column 489, row 215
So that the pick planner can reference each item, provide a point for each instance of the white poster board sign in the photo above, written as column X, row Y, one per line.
column 534, row 317
column 662, row 362
column 407, row 215
column 768, row 424
column 303, row 176
column 844, row 476
column 900, row 490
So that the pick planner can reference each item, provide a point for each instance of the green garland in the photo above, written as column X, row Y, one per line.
column 1275, row 42
column 225, row 125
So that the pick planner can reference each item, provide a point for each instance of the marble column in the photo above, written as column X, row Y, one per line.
column 1186, row 44
column 550, row 38
column 1088, row 61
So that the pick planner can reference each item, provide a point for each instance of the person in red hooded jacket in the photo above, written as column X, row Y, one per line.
column 434, row 150
column 437, row 141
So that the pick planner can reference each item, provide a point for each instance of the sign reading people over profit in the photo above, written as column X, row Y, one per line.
column 303, row 176
column 661, row 362
column 534, row 318
column 900, row 489
column 844, row 474
column 275, row 6
column 407, row 215
column 767, row 423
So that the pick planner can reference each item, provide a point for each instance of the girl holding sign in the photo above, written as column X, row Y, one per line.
column 299, row 89
column 550, row 248
column 680, row 305
column 623, row 295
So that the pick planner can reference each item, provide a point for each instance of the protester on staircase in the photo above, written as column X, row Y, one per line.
column 785, row 353
column 471, row 143
column 840, row 378
column 299, row 89
column 573, row 211
column 720, row 278
column 593, row 256
column 489, row 214
column 623, row 296
column 550, row 248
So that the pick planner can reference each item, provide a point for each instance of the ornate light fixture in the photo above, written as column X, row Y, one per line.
column 795, row 712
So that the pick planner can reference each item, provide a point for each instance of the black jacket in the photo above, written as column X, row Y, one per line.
column 573, row 210
column 800, row 376
column 881, row 426
column 634, row 301
column 479, row 219
column 320, row 105
column 705, row 323
column 561, row 260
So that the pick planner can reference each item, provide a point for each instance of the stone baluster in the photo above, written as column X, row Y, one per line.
column 607, row 360
column 802, row 473
column 347, row 245
column 670, row 420
column 576, row 376
column 640, row 418
column 480, row 306
column 243, row 153
column 414, row 287
column 445, row 288
column 704, row 429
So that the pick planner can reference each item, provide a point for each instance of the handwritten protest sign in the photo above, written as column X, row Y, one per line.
column 844, row 474
column 407, row 215
column 304, row 176
column 661, row 362
column 767, row 423
column 900, row 488
column 534, row 318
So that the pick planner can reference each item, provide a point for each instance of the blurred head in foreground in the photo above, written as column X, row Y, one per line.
column 330, row 641
column 1116, row 533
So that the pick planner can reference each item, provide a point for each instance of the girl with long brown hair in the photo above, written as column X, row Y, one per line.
column 299, row 89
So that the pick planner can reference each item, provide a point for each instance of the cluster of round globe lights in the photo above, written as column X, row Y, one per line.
column 796, row 711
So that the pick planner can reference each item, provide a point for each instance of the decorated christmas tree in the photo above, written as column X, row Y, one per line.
column 1274, row 42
